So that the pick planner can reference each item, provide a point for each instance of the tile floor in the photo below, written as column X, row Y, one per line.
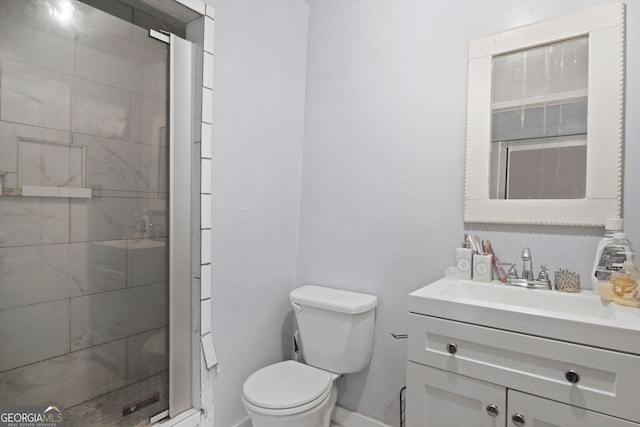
column 106, row 410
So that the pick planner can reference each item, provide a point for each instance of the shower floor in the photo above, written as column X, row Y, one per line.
column 106, row 410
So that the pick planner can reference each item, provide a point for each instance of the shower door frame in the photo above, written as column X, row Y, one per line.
column 187, row 107
column 181, row 58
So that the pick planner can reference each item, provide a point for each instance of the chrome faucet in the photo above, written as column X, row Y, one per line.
column 527, row 264
column 526, row 279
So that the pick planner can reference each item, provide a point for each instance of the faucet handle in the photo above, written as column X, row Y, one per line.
column 544, row 273
column 512, row 273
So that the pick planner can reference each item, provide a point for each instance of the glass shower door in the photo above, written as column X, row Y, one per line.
column 84, row 161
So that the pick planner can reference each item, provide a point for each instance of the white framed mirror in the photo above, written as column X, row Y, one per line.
column 545, row 121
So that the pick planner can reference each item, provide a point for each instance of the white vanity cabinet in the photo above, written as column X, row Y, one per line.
column 536, row 411
column 465, row 374
column 437, row 398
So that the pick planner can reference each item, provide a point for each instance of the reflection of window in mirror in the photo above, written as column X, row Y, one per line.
column 545, row 121
column 539, row 122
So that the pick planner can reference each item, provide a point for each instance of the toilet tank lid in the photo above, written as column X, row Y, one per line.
column 333, row 299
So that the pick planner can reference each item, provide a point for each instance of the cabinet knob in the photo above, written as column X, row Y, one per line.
column 572, row 376
column 452, row 347
column 518, row 419
column 492, row 410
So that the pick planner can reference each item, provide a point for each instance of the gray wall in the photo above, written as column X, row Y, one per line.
column 259, row 84
column 382, row 176
column 382, row 169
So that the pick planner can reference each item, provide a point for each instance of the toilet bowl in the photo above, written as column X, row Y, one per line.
column 336, row 336
column 155, row 352
column 290, row 394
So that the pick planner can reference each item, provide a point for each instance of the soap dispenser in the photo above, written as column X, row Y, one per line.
column 625, row 284
column 610, row 255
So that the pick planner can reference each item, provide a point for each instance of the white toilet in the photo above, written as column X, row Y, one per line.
column 336, row 333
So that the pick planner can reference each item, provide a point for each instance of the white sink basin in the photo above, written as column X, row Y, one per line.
column 581, row 318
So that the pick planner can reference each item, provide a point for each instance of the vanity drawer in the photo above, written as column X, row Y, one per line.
column 603, row 380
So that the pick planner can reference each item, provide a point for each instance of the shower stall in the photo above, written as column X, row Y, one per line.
column 87, row 223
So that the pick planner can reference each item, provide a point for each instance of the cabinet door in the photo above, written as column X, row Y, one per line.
column 437, row 398
column 608, row 380
column 538, row 412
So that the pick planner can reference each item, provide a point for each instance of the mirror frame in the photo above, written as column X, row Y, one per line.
column 605, row 26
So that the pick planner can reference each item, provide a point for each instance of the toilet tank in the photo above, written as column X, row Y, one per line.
column 336, row 327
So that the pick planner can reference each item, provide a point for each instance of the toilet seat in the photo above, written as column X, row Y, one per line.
column 287, row 388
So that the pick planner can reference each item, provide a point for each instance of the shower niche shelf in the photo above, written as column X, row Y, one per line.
column 47, row 169
column 47, row 191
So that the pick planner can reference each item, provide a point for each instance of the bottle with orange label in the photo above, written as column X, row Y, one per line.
column 625, row 284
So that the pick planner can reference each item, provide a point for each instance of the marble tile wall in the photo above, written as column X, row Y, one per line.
column 99, row 110
column 96, row 319
column 110, row 218
column 49, row 163
column 34, row 95
column 110, row 83
column 69, row 379
column 79, row 295
column 85, row 279
column 34, row 45
column 43, row 333
column 146, row 354
column 119, row 165
column 32, row 221
column 36, row 274
column 10, row 134
column 104, row 317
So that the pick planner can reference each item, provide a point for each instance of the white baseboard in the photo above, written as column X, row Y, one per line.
column 245, row 422
column 346, row 418
column 340, row 416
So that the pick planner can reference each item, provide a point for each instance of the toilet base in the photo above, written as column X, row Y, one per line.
column 319, row 416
